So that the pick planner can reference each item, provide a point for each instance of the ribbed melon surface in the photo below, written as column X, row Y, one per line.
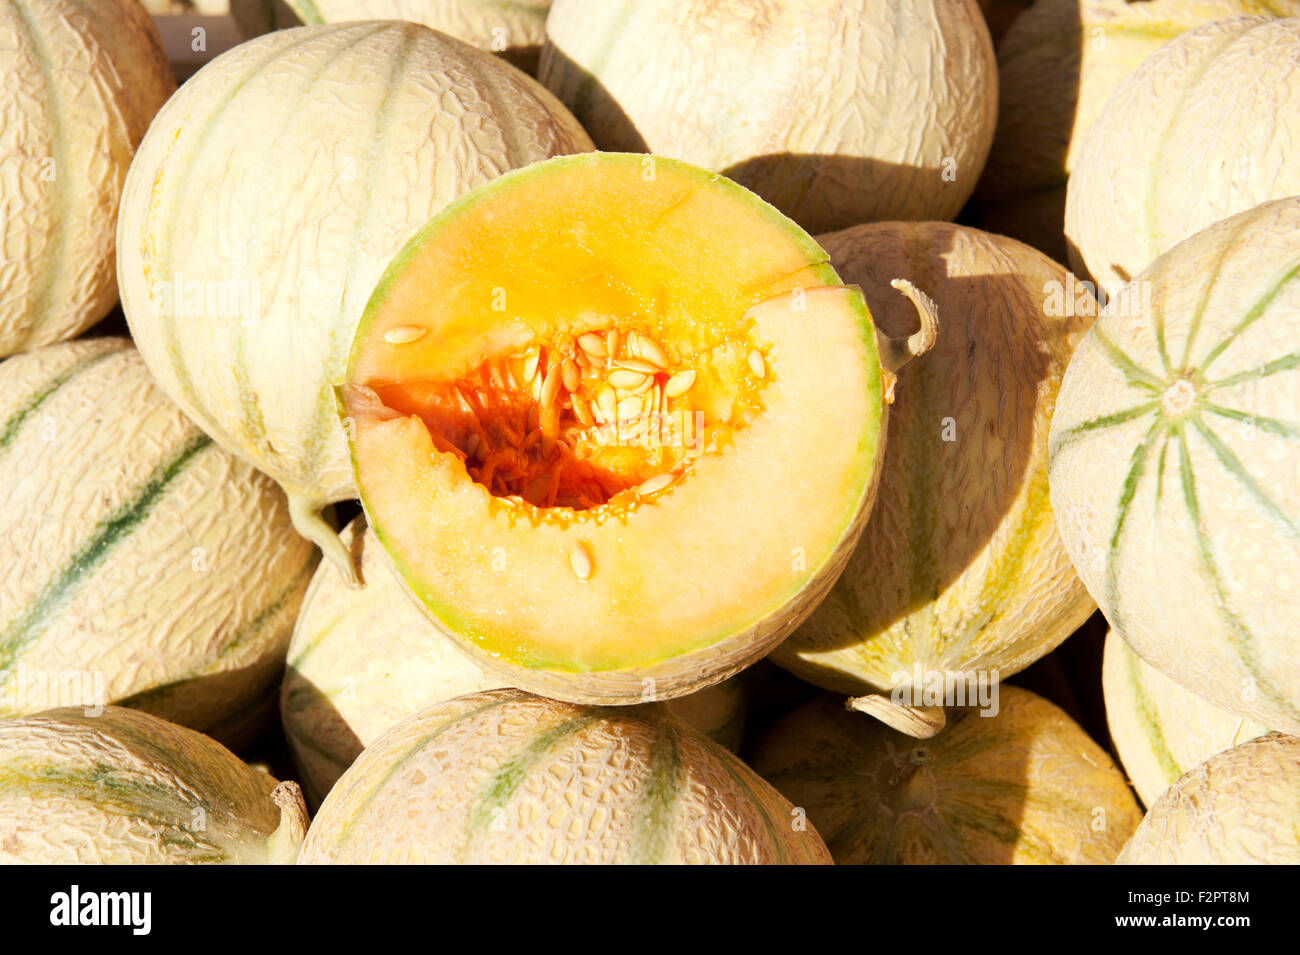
column 505, row 777
column 1175, row 446
column 138, row 560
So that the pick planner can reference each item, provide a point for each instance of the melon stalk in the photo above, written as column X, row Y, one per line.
column 960, row 574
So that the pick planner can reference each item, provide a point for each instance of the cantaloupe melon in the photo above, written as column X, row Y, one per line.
column 1161, row 730
column 1241, row 807
column 139, row 563
column 83, row 78
column 505, row 777
column 127, row 788
column 1175, row 448
column 1027, row 785
column 1199, row 132
column 512, row 28
column 960, row 568
column 1057, row 65
column 363, row 659
column 617, row 425
column 835, row 112
column 266, row 201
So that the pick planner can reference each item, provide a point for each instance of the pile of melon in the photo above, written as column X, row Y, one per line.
column 766, row 432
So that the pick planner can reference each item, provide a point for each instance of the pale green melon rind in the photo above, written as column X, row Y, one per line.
column 465, row 629
column 1166, row 445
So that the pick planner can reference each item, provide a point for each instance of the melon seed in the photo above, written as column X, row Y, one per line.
column 583, row 412
column 655, row 484
column 636, row 364
column 679, row 383
column 624, row 378
column 572, row 375
column 404, row 334
column 580, row 561
column 592, row 344
column 550, row 387
column 530, row 364
column 607, row 402
column 651, row 352
column 756, row 364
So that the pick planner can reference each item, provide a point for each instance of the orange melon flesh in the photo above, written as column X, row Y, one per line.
column 526, row 526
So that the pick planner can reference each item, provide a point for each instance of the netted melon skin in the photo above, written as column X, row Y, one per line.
column 124, row 788
column 506, row 777
column 1241, row 807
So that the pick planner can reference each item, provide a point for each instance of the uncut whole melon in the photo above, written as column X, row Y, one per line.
column 1058, row 64
column 1166, row 159
column 82, row 80
column 139, row 563
column 1241, row 807
column 365, row 658
column 1161, row 730
column 514, row 28
column 505, row 777
column 267, row 199
column 608, row 490
column 1024, row 785
column 835, row 112
column 960, row 568
column 126, row 788
column 1175, row 449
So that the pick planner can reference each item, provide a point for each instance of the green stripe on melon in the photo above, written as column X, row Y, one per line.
column 150, row 566
column 363, row 659
column 960, row 568
column 1022, row 784
column 1058, row 64
column 505, row 777
column 322, row 167
column 1148, row 176
column 1161, row 730
column 83, row 79
column 123, row 787
column 1175, row 450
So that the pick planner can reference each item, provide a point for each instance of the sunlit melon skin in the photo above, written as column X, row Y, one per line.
column 82, row 80
column 277, row 185
column 137, row 558
column 1173, row 463
column 835, row 112
column 120, row 787
column 1202, row 130
column 960, row 567
column 503, row 777
column 1024, row 786
column 1161, row 730
column 514, row 29
column 689, row 587
column 1241, row 807
column 363, row 659
column 1058, row 64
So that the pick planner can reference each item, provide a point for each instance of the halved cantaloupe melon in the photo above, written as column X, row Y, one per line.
column 617, row 424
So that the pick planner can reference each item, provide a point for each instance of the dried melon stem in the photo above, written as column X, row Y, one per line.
column 575, row 421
